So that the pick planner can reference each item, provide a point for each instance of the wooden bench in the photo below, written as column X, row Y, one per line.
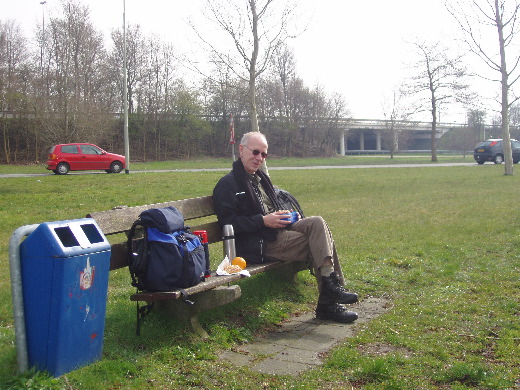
column 199, row 214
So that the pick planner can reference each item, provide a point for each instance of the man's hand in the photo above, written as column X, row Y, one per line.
column 276, row 219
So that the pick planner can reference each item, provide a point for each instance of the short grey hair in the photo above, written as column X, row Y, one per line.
column 246, row 136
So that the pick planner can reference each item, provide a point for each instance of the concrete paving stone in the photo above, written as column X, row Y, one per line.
column 263, row 348
column 304, row 317
column 299, row 342
column 314, row 342
column 298, row 356
column 236, row 358
column 337, row 332
column 296, row 326
column 287, row 336
column 281, row 338
column 276, row 367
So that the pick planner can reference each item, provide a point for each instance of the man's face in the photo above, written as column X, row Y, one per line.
column 250, row 161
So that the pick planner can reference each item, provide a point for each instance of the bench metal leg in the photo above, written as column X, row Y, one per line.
column 142, row 312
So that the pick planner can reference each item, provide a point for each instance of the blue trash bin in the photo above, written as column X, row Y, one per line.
column 65, row 267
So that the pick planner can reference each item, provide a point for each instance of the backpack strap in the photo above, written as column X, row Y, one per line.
column 295, row 204
column 131, row 256
column 182, row 240
column 185, row 297
column 291, row 199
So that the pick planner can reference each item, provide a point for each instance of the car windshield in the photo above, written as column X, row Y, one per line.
column 487, row 143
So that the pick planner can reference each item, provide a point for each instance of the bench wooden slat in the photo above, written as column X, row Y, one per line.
column 120, row 220
column 213, row 229
column 212, row 282
column 118, row 256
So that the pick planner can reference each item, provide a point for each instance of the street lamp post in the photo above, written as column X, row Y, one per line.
column 42, row 84
column 43, row 36
column 125, row 96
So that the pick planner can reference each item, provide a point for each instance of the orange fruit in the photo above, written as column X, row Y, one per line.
column 240, row 262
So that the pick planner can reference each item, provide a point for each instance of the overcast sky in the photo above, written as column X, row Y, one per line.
column 356, row 48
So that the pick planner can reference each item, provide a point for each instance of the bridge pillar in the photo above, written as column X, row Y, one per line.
column 378, row 140
column 342, row 142
column 361, row 140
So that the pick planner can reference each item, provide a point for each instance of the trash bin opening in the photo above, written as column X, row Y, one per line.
column 66, row 236
column 92, row 233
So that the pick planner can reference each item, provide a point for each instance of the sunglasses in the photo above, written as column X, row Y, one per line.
column 257, row 152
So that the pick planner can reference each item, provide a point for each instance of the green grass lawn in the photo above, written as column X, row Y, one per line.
column 441, row 242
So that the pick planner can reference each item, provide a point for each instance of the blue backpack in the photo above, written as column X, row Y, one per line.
column 168, row 256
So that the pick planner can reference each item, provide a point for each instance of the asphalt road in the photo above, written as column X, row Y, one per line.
column 6, row 175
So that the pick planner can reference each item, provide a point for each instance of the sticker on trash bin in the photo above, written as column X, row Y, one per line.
column 86, row 277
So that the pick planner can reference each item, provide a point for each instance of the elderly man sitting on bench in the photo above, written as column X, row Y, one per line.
column 245, row 198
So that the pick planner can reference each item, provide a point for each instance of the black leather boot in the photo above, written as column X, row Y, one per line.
column 335, row 312
column 333, row 292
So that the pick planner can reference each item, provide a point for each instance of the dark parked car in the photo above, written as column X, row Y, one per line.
column 83, row 157
column 493, row 150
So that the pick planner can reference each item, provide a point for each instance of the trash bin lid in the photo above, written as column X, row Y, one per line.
column 67, row 238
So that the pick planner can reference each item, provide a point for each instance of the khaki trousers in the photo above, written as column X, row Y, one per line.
column 309, row 238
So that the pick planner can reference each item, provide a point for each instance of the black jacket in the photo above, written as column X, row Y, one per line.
column 237, row 204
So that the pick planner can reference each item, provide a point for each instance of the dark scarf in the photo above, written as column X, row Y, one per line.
column 245, row 178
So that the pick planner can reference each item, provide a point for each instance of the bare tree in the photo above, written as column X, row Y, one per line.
column 13, row 54
column 395, row 116
column 284, row 66
column 77, row 54
column 257, row 28
column 464, row 138
column 439, row 80
column 475, row 19
column 137, row 61
column 476, row 123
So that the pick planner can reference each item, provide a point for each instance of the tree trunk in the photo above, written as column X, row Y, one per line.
column 508, row 156
column 252, row 69
column 434, row 127
column 7, row 149
column 253, row 116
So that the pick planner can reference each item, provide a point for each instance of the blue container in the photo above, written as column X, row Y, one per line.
column 293, row 217
column 65, row 267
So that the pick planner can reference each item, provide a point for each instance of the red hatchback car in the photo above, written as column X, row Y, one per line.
column 83, row 157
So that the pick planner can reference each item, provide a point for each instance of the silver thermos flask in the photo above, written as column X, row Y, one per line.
column 228, row 237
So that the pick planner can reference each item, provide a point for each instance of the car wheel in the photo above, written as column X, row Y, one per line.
column 116, row 167
column 480, row 162
column 499, row 159
column 62, row 168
